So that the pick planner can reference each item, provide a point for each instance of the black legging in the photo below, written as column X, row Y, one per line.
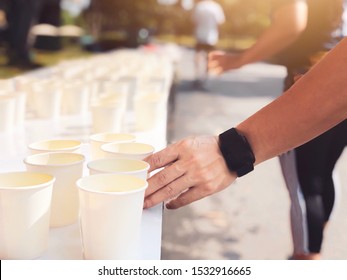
column 315, row 162
column 20, row 15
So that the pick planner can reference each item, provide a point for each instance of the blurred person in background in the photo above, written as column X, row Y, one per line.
column 49, row 13
column 300, row 34
column 207, row 16
column 3, row 21
column 21, row 15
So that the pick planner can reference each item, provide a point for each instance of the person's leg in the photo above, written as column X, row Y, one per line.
column 298, row 220
column 315, row 164
column 21, row 16
column 304, row 171
column 315, row 181
column 198, row 63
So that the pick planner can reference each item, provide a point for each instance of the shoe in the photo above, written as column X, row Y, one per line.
column 25, row 65
column 22, row 62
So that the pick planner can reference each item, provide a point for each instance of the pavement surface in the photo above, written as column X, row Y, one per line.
column 250, row 219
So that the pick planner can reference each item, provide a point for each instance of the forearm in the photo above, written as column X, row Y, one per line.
column 317, row 102
column 287, row 24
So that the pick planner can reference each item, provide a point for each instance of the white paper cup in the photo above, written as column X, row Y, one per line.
column 127, row 150
column 96, row 140
column 25, row 201
column 110, row 215
column 76, row 98
column 107, row 117
column 109, row 97
column 67, row 168
column 58, row 145
column 48, row 99
column 25, row 84
column 7, row 84
column 20, row 108
column 133, row 167
column 114, row 87
column 150, row 109
column 7, row 113
column 48, row 104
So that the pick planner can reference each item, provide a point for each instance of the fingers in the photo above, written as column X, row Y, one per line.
column 164, row 177
column 215, row 70
column 193, row 169
column 186, row 198
column 162, row 158
column 215, row 63
column 213, row 54
column 168, row 192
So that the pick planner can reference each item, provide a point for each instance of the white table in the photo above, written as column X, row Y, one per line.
column 65, row 242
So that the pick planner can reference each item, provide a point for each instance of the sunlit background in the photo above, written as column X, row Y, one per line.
column 110, row 24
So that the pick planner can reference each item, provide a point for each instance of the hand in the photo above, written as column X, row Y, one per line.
column 3, row 21
column 220, row 62
column 193, row 168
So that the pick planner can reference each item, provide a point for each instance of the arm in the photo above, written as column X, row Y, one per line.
column 288, row 22
column 316, row 102
column 194, row 167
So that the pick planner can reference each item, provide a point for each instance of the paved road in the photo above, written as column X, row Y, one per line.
column 250, row 219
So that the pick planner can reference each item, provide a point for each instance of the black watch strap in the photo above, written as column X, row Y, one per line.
column 237, row 152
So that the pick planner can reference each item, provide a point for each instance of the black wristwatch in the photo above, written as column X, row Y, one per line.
column 237, row 152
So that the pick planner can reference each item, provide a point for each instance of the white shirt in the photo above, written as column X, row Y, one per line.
column 207, row 15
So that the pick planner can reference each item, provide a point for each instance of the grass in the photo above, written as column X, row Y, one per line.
column 46, row 58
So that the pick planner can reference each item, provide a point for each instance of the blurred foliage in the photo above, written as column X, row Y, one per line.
column 244, row 18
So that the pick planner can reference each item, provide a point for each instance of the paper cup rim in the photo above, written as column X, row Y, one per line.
column 95, row 137
column 120, row 193
column 26, row 159
column 50, row 181
column 90, row 167
column 125, row 154
column 32, row 145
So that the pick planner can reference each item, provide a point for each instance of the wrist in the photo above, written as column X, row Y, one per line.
column 236, row 151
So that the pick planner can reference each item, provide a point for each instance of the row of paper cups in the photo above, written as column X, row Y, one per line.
column 109, row 201
column 107, row 100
